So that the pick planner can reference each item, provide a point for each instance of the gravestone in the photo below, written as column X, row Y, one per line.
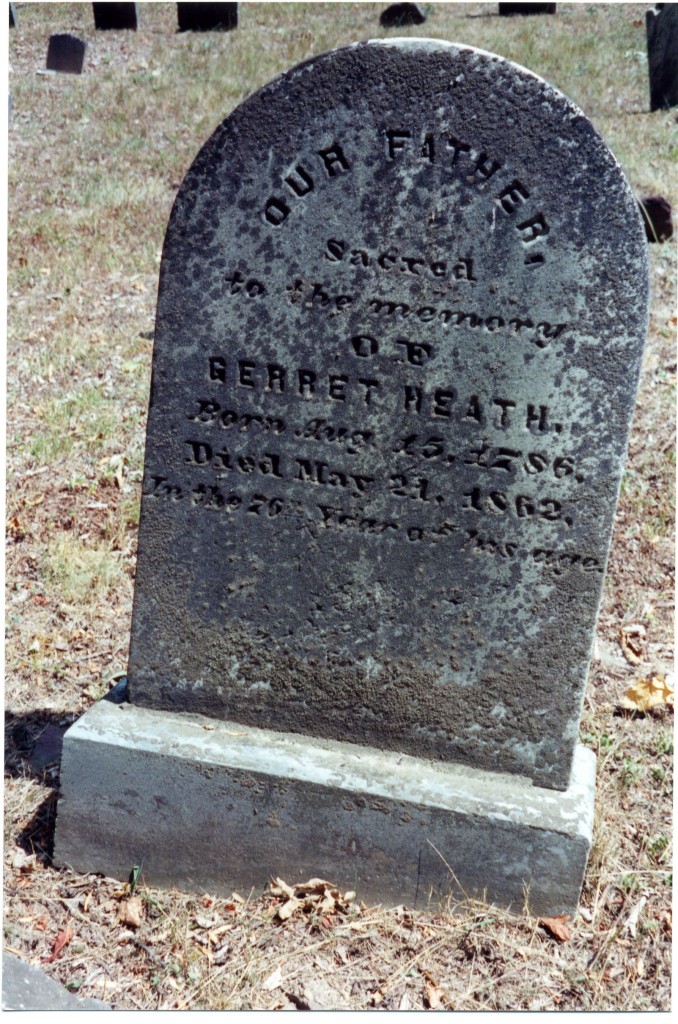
column 394, row 370
column 401, row 15
column 511, row 9
column 115, row 16
column 12, row 16
column 66, row 53
column 198, row 17
column 656, row 214
column 661, row 23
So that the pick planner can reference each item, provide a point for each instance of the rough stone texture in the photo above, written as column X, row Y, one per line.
column 196, row 17
column 26, row 988
column 661, row 23
column 398, row 337
column 508, row 10
column 656, row 213
column 115, row 16
column 400, row 15
column 219, row 806
column 66, row 53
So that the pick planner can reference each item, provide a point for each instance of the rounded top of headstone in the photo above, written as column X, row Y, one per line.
column 504, row 102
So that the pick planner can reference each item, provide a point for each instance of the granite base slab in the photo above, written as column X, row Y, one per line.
column 215, row 806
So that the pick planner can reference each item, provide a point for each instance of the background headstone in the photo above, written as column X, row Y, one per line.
column 206, row 17
column 662, row 55
column 115, row 16
column 12, row 16
column 393, row 377
column 509, row 9
column 66, row 53
column 401, row 15
column 656, row 213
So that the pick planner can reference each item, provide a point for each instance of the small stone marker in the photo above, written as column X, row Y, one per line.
column 401, row 15
column 511, row 9
column 115, row 16
column 394, row 371
column 661, row 23
column 199, row 17
column 66, row 53
column 12, row 16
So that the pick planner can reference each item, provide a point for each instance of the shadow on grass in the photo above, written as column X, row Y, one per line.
column 33, row 743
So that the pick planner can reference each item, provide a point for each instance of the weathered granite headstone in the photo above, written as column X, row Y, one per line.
column 661, row 23
column 510, row 9
column 401, row 15
column 115, row 16
column 66, row 53
column 398, row 337
column 198, row 17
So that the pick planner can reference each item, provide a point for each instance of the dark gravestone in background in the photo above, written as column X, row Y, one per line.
column 508, row 10
column 400, row 15
column 662, row 55
column 12, row 16
column 207, row 17
column 656, row 213
column 115, row 16
column 66, row 53
column 401, row 314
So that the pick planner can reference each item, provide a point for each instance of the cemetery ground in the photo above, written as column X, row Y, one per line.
column 94, row 164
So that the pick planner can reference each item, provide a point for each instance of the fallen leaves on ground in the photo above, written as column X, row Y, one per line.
column 633, row 918
column 649, row 693
column 273, row 980
column 435, row 996
column 130, row 912
column 62, row 939
column 632, row 641
column 313, row 897
column 558, row 927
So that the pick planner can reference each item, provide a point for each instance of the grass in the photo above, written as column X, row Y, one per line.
column 94, row 165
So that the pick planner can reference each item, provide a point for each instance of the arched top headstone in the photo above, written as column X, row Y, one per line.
column 402, row 307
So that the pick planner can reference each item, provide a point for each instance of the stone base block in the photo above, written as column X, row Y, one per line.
column 216, row 806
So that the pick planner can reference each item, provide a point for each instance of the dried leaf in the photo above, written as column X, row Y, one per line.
column 206, row 922
column 632, row 641
column 558, row 927
column 62, row 939
column 649, row 693
column 287, row 909
column 434, row 994
column 280, row 888
column 130, row 912
column 632, row 920
column 273, row 980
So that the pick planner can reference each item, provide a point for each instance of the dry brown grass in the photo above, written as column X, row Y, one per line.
column 94, row 166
